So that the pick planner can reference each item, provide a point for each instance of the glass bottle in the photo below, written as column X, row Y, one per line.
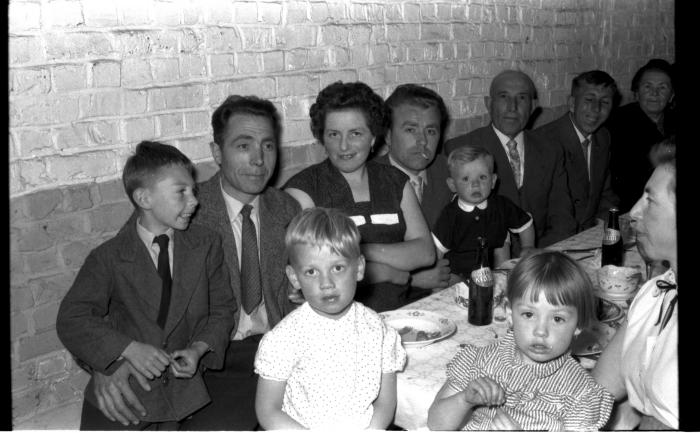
column 481, row 288
column 612, row 249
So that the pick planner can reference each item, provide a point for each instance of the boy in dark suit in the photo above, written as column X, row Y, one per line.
column 127, row 310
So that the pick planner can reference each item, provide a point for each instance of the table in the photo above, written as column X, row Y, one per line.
column 424, row 373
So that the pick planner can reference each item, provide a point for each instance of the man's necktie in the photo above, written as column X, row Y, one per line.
column 164, row 272
column 418, row 188
column 514, row 158
column 251, row 288
column 584, row 146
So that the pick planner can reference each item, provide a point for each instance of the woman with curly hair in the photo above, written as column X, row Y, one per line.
column 347, row 118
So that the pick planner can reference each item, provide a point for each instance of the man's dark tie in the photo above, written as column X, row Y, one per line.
column 251, row 289
column 164, row 272
column 584, row 146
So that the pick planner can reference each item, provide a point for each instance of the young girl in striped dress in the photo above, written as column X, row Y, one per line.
column 529, row 381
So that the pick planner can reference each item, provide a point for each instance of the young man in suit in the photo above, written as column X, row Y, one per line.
column 530, row 170
column 246, row 135
column 417, row 119
column 586, row 145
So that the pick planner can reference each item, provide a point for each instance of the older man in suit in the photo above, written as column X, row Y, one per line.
column 586, row 145
column 530, row 170
column 417, row 119
column 252, row 219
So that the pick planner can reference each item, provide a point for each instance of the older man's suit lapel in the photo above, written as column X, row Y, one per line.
column 272, row 258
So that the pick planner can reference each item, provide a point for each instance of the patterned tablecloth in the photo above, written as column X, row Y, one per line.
column 424, row 374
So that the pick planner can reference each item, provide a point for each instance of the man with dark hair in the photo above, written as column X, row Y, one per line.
column 586, row 145
column 530, row 170
column 417, row 119
column 251, row 218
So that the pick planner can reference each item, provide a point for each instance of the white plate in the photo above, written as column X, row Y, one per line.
column 419, row 328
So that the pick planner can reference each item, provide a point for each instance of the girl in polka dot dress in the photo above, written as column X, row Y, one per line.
column 529, row 381
column 332, row 362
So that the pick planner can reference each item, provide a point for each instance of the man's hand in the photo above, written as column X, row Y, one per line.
column 295, row 295
column 436, row 277
column 148, row 360
column 111, row 391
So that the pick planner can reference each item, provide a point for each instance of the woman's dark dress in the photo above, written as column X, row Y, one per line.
column 632, row 134
column 384, row 220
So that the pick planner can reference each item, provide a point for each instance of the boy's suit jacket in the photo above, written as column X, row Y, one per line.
column 592, row 198
column 277, row 209
column 544, row 192
column 436, row 194
column 115, row 300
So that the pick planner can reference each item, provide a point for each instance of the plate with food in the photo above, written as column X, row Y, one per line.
column 419, row 328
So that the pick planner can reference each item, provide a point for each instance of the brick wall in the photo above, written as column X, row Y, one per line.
column 89, row 79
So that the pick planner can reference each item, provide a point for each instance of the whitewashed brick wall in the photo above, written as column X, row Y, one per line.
column 89, row 79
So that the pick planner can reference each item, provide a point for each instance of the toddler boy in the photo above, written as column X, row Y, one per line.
column 473, row 214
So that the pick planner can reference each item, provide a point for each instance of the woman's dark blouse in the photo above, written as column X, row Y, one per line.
column 632, row 134
column 384, row 220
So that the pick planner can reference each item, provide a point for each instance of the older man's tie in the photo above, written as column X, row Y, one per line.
column 514, row 158
column 251, row 286
column 164, row 272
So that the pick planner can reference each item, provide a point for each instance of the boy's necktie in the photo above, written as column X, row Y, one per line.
column 164, row 272
column 514, row 158
column 251, row 288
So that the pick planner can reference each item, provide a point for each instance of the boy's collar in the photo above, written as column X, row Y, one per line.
column 468, row 207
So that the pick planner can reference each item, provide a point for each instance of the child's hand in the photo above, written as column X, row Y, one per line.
column 484, row 391
column 146, row 359
column 503, row 421
column 184, row 362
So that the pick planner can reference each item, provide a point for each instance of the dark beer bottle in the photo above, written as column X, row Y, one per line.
column 612, row 240
column 481, row 288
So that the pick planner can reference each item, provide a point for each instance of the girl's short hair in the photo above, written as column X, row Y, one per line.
column 324, row 227
column 559, row 278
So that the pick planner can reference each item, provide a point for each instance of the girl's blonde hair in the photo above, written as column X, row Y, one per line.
column 324, row 227
column 559, row 278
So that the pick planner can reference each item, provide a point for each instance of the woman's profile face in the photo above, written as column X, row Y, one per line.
column 347, row 139
column 654, row 92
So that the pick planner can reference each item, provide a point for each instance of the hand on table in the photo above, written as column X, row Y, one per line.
column 112, row 391
column 436, row 277
column 148, row 360
column 484, row 391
